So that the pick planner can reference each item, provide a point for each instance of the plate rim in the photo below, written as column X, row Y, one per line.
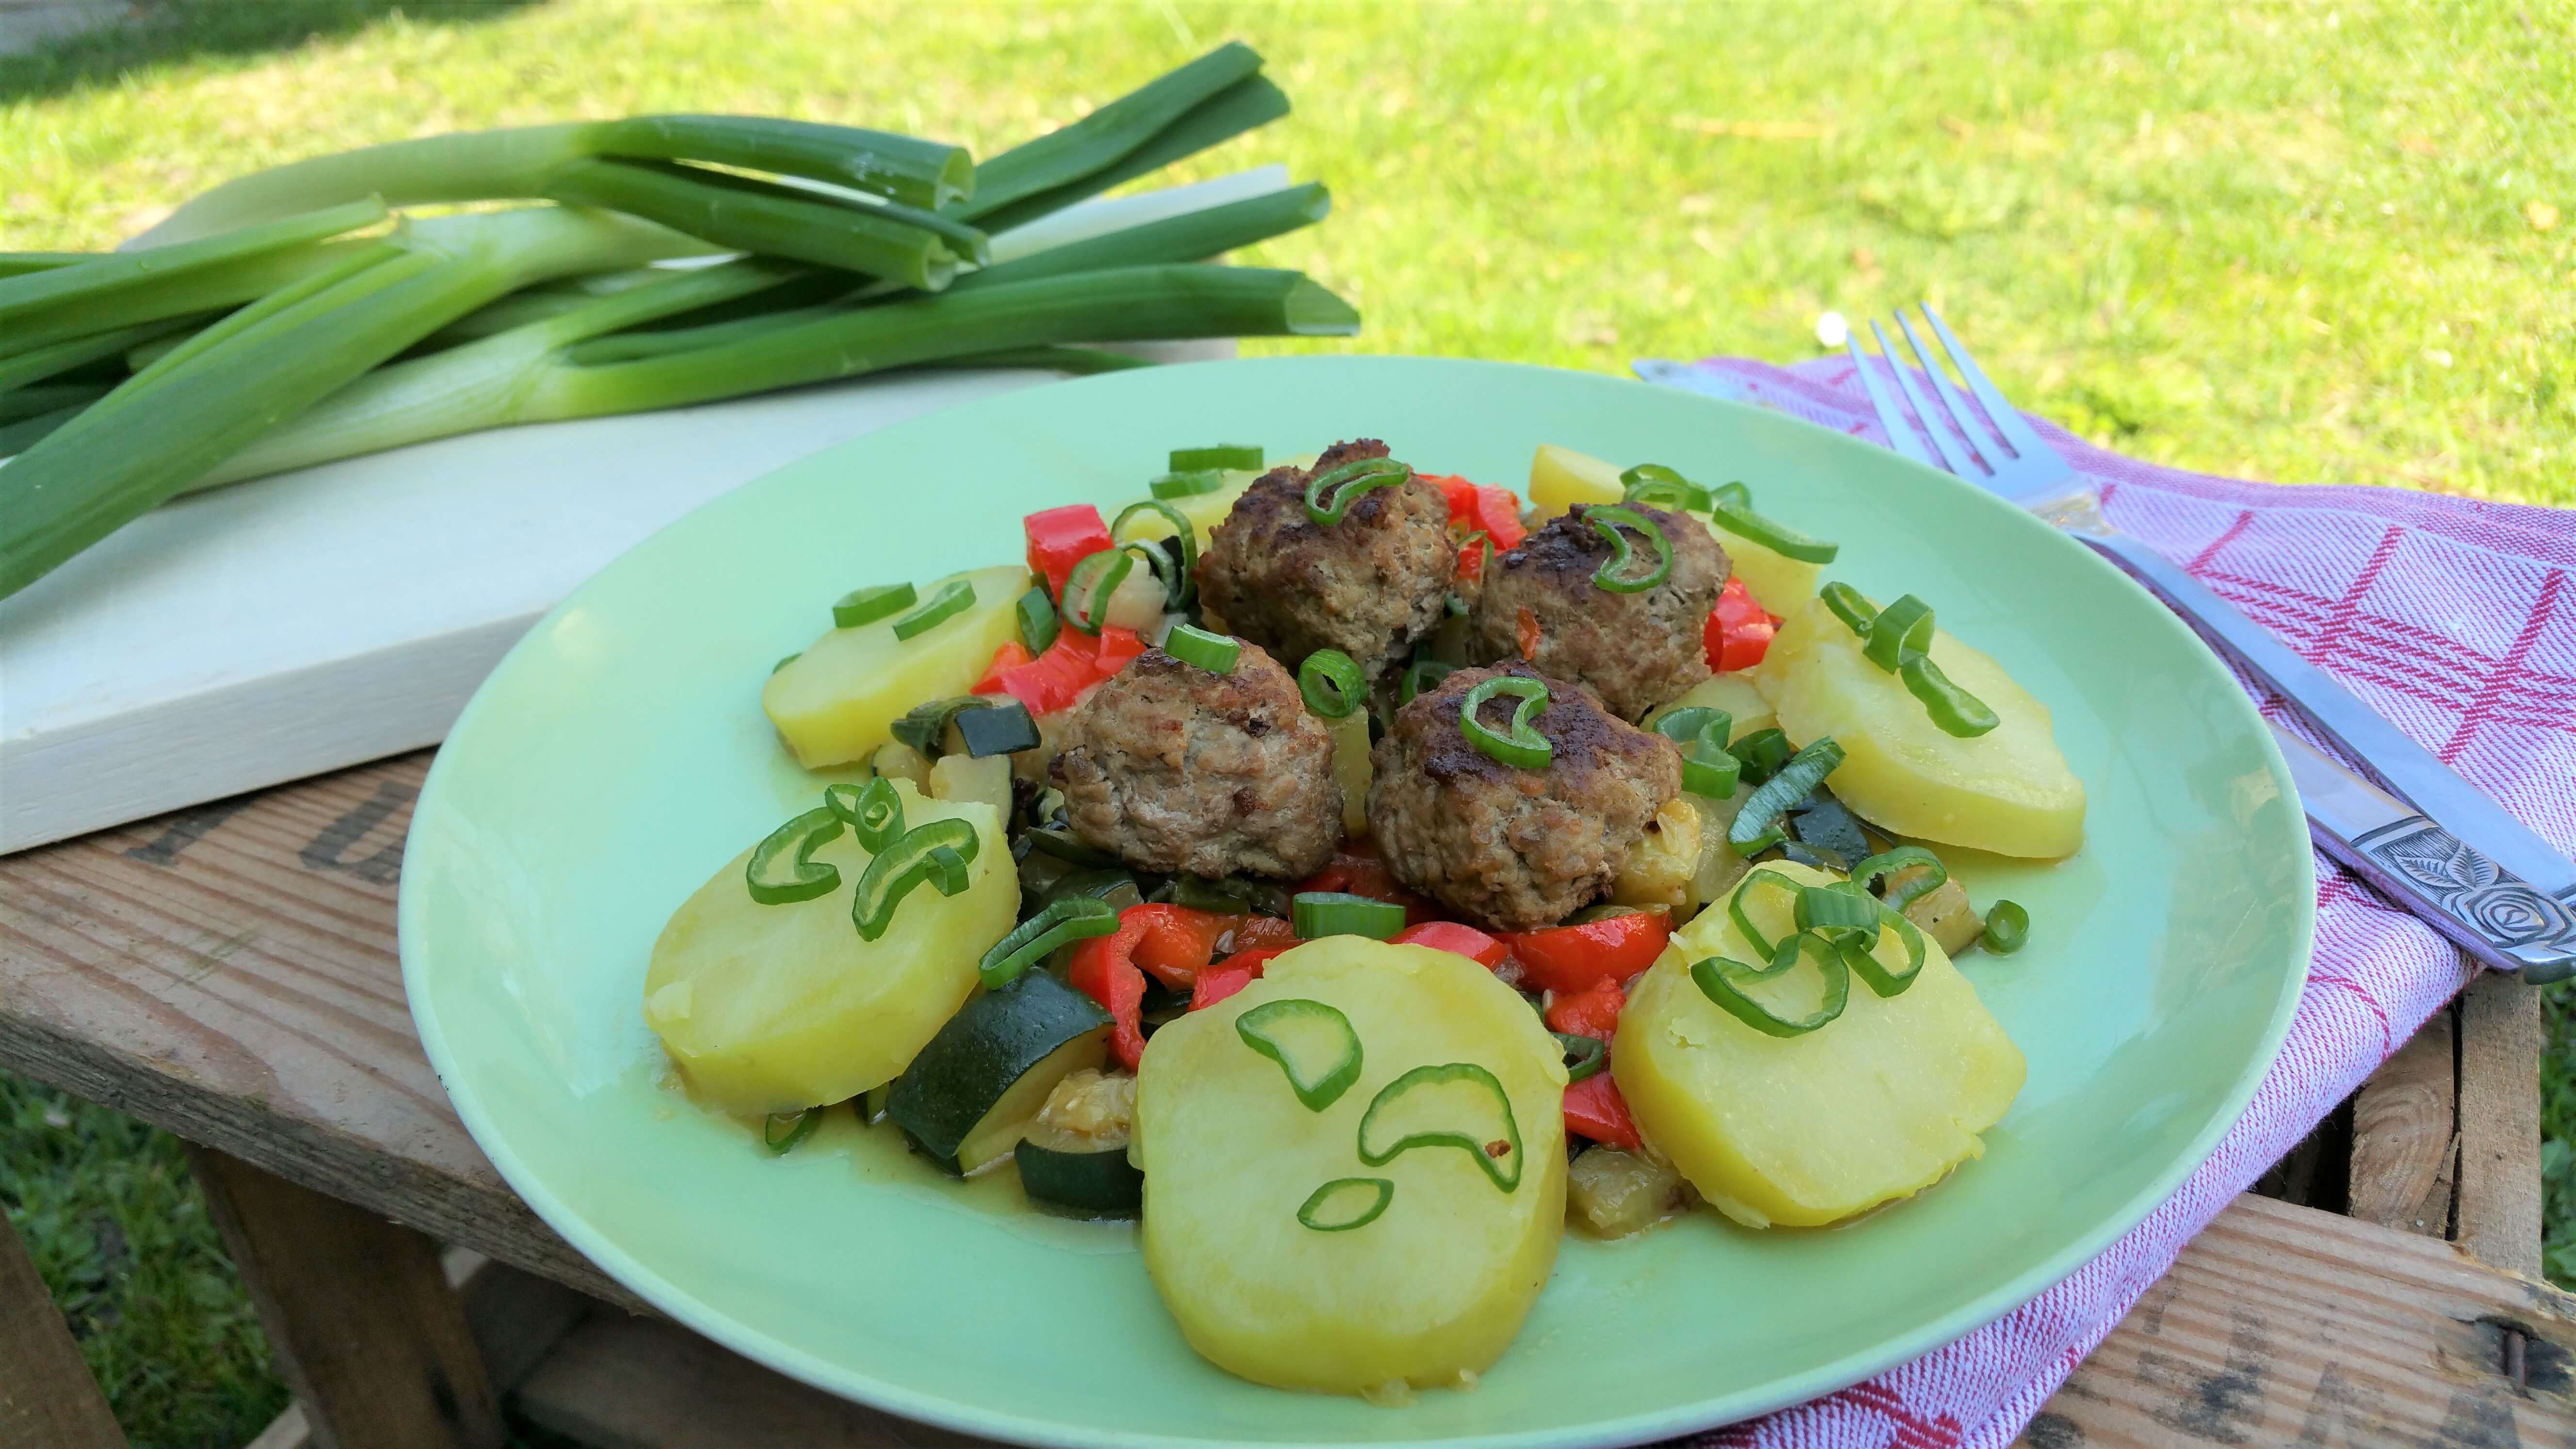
column 892, row 1397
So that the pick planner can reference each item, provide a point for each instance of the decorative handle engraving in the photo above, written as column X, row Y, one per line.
column 2536, row 932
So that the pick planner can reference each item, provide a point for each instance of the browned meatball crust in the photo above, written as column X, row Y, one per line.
column 1369, row 585
column 1637, row 650
column 1506, row 848
column 1172, row 768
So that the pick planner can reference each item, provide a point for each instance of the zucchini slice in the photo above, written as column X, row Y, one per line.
column 972, row 1091
column 1075, row 1154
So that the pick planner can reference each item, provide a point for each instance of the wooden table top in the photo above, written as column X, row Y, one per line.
column 229, row 974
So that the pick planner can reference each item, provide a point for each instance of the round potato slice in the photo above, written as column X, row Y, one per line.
column 1398, row 1234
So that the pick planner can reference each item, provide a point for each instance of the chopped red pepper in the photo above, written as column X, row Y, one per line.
column 1010, row 656
column 1253, row 933
column 1218, row 984
column 1739, row 631
column 1480, row 508
column 1357, row 870
column 1593, row 1012
column 1073, row 663
column 1577, row 958
column 1594, row 1109
column 1178, row 942
column 1104, row 969
column 1116, row 647
column 1460, row 940
column 1059, row 538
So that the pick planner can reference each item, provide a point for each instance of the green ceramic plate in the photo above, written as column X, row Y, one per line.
column 619, row 755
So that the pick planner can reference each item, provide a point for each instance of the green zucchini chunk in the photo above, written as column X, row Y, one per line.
column 1089, row 1178
column 972, row 1091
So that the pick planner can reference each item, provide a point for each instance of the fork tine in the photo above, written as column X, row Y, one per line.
column 1952, row 455
column 1951, row 402
column 1900, row 433
column 2018, row 433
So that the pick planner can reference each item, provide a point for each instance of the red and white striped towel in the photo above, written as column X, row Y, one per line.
column 2454, row 618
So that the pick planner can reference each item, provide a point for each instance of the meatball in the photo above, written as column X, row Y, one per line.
column 1507, row 848
column 1172, row 768
column 1636, row 650
column 1369, row 585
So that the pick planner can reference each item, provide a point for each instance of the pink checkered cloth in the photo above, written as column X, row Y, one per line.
column 2454, row 618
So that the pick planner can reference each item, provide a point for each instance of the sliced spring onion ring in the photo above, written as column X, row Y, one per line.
column 1955, row 710
column 782, row 869
column 874, row 811
column 1902, row 628
column 1330, row 683
column 1707, row 768
column 1088, row 587
column 1762, row 810
column 1335, row 1207
column 1420, row 675
column 1177, row 584
column 1238, row 457
column 1716, row 978
column 1500, row 1158
column 1003, row 729
column 1740, row 520
column 2007, row 928
column 925, row 726
column 1215, row 653
column 1850, row 606
column 1311, row 1041
column 1189, row 483
column 1065, row 920
column 1859, row 950
column 1655, row 484
column 1617, row 575
column 783, row 1130
column 1317, row 914
column 783, row 663
column 937, row 852
column 1888, row 862
column 1735, row 495
column 1523, row 747
column 1837, row 907
column 1762, row 945
column 1584, row 1055
column 1329, row 494
column 1038, row 623
column 866, row 606
column 951, row 600
column 1762, row 752
column 1059, row 842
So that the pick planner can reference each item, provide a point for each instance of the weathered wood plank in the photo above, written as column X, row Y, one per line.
column 2501, row 1038
column 47, row 1396
column 361, row 1321
column 2405, row 1137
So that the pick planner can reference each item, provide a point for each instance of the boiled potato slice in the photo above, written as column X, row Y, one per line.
column 838, row 701
column 1204, row 510
column 962, row 777
column 1561, row 478
column 1875, row 1105
column 1776, row 581
column 1735, row 693
column 1435, row 1286
column 779, row 1008
column 2008, row 790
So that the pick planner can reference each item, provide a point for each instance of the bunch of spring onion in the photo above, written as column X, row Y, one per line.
column 296, row 315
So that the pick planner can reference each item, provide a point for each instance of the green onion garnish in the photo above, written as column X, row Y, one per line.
column 1330, row 682
column 1935, row 874
column 1499, row 1158
column 783, row 663
column 1717, row 976
column 782, row 868
column 1003, row 729
column 950, row 601
column 1329, row 495
column 1317, row 914
column 1311, row 1041
column 1898, row 639
column 1662, row 487
column 1616, row 575
column 1856, row 612
column 1904, row 627
column 1188, row 485
column 1337, row 1206
column 937, row 852
column 1584, row 1055
column 2007, row 927
column 783, row 1130
column 1761, row 813
column 1038, row 623
column 866, row 606
column 1239, row 457
column 925, row 726
column 1734, row 495
column 1707, row 768
column 1420, row 675
column 1214, row 653
column 1955, row 710
column 1743, row 522
column 1763, row 946
column 1836, row 907
column 874, row 811
column 1762, row 752
column 1088, row 587
column 1065, row 920
column 1176, row 586
column 1524, row 747
column 1859, row 950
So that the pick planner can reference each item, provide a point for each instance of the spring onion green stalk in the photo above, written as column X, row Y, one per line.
column 1757, row 825
column 2007, row 928
column 1617, row 575
column 39, row 363
column 1088, row 587
column 916, row 249
column 1190, row 237
column 1312, row 1042
column 1717, row 979
column 1100, row 141
column 1066, row 919
column 953, row 598
column 1240, row 457
column 1076, row 361
column 28, row 402
column 874, row 811
column 1038, row 622
column 1739, row 519
column 178, row 296
column 99, row 278
column 1214, row 653
column 1317, row 914
column 1330, row 494
column 937, row 853
column 519, row 162
column 18, row 264
column 866, row 606
column 1707, row 768
column 782, row 868
column 783, row 1131
column 1519, row 744
column 1330, row 682
column 1187, row 485
column 21, row 435
column 1345, row 1203
column 1500, row 1161
column 1584, row 1055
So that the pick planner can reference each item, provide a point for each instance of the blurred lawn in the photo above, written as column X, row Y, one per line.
column 2329, row 242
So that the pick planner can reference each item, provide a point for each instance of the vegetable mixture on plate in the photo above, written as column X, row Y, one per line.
column 1355, row 875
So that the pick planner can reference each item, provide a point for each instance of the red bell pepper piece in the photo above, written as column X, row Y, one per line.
column 1460, row 940
column 1480, row 508
column 1593, row 1012
column 1010, row 656
column 1116, row 647
column 1178, row 942
column 1254, row 933
column 1594, row 1109
column 1357, row 870
column 1218, row 984
column 1104, row 969
column 1059, row 538
column 1738, row 632
column 1567, row 959
column 1073, row 663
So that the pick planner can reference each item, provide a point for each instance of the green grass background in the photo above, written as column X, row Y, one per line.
column 2300, row 242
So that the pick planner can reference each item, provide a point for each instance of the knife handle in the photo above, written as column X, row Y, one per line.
column 2484, row 909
